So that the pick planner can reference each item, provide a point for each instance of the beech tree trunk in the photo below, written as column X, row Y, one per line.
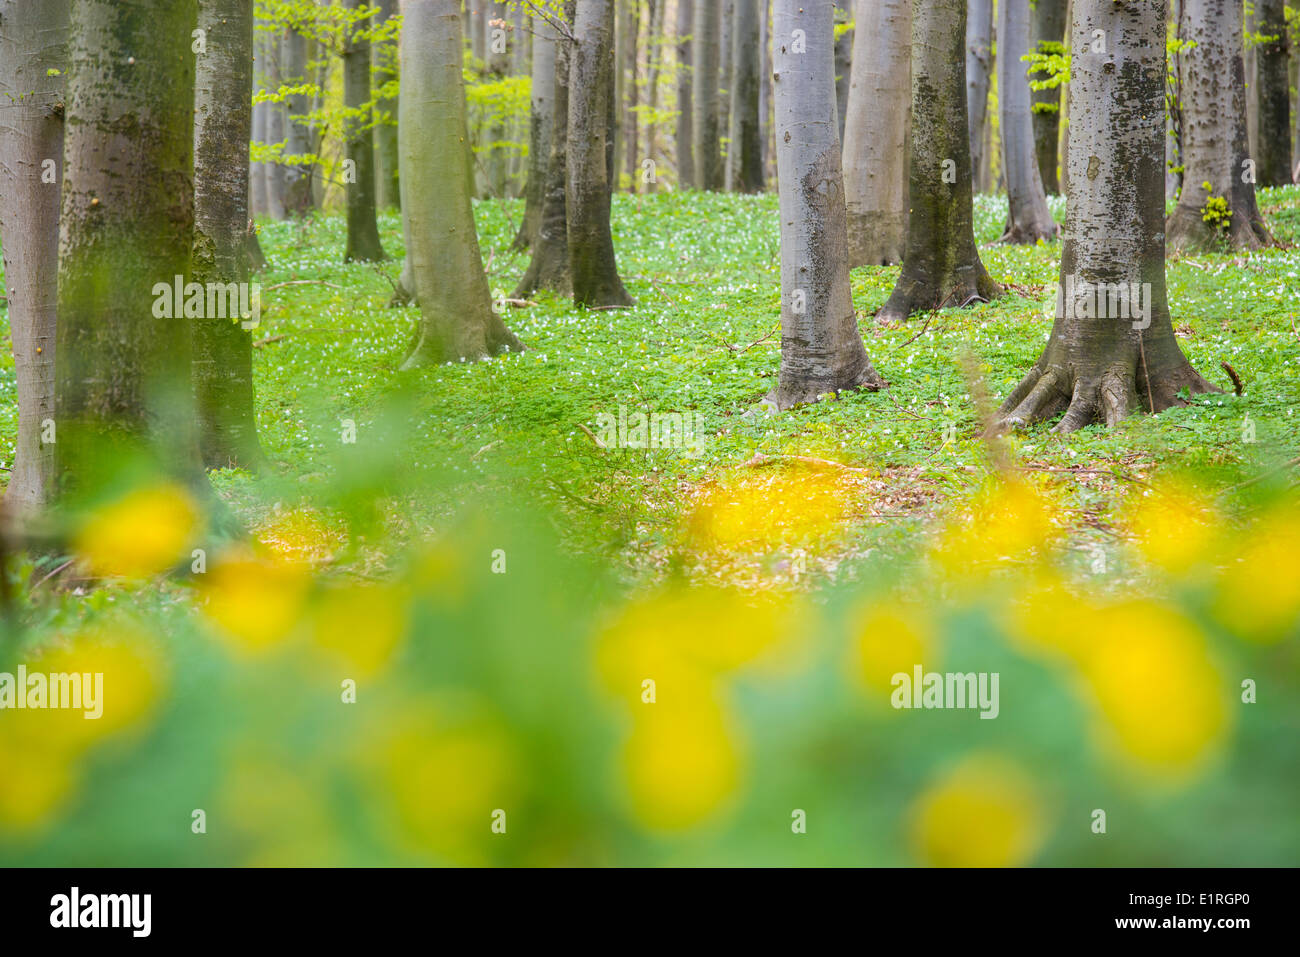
column 222, row 350
column 1028, row 218
column 843, row 69
column 875, row 133
column 631, row 100
column 654, row 52
column 476, row 19
column 549, row 266
column 122, row 374
column 821, row 348
column 498, row 65
column 297, row 194
column 359, row 183
column 979, row 66
column 1047, row 26
column 745, row 154
column 726, row 23
column 705, row 42
column 1215, row 149
column 592, row 262
column 387, row 193
column 941, row 266
column 258, row 173
column 684, row 133
column 276, row 181
column 540, row 130
column 456, row 317
column 765, row 92
column 1112, row 348
column 1274, row 96
column 33, row 68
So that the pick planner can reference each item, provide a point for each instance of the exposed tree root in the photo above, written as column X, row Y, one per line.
column 789, row 394
column 462, row 345
column 1107, row 395
column 959, row 290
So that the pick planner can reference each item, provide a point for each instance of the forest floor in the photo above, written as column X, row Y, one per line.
column 369, row 701
column 704, row 339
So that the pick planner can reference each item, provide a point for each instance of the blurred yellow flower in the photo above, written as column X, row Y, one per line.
column 449, row 769
column 1161, row 698
column 360, row 625
column 40, row 749
column 1176, row 527
column 763, row 507
column 703, row 630
column 254, row 602
column 1009, row 523
column 299, row 534
column 34, row 783
column 1258, row 594
column 889, row 637
column 986, row 812
column 1045, row 616
column 132, row 680
column 681, row 762
column 143, row 533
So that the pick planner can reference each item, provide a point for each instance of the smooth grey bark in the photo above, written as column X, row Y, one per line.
column 821, row 347
column 726, row 24
column 875, row 133
column 765, row 91
column 456, row 317
column 843, row 68
column 654, row 65
column 298, row 139
column 707, row 147
column 1047, row 26
column 540, row 123
column 276, row 181
column 979, row 67
column 684, row 133
column 122, row 374
column 745, row 154
column 592, row 262
column 476, row 20
column 1252, row 86
column 498, row 66
column 1214, row 132
column 363, row 229
column 1273, row 96
column 521, row 48
column 941, row 265
column 630, row 29
column 1028, row 218
column 549, row 266
column 258, row 173
column 1108, row 355
column 222, row 350
column 387, row 193
column 33, row 68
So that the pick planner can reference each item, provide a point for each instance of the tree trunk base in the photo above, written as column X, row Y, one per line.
column 1028, row 234
column 959, row 289
column 794, row 390
column 1187, row 231
column 876, row 238
column 459, row 344
column 1145, row 375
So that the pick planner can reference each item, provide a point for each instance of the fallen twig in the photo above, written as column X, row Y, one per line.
column 1236, row 379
